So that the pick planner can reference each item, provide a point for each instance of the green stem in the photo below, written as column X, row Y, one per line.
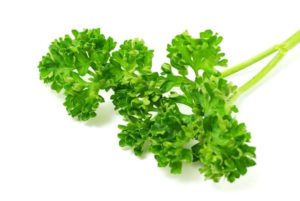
column 285, row 46
column 282, row 49
column 250, row 61
column 291, row 41
column 258, row 76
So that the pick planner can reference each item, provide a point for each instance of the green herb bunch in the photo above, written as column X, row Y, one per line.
column 86, row 64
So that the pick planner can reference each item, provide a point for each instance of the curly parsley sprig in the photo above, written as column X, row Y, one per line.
column 84, row 64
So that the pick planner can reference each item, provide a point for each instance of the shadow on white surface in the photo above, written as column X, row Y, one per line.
column 189, row 174
column 244, row 183
column 105, row 115
column 60, row 96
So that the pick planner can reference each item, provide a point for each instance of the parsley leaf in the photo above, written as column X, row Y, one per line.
column 69, row 60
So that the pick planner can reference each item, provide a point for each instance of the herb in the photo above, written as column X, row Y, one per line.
column 85, row 64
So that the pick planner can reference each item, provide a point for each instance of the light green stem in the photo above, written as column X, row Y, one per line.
column 258, row 76
column 291, row 41
column 281, row 50
column 250, row 61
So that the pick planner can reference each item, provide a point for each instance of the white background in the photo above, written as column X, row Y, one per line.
column 46, row 155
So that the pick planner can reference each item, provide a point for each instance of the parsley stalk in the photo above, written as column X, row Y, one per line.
column 281, row 50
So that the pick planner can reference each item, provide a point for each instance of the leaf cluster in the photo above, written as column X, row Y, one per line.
column 84, row 64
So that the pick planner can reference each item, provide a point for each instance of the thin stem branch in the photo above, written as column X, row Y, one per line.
column 258, row 76
column 250, row 61
column 281, row 50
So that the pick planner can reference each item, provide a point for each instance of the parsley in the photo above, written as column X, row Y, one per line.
column 85, row 64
